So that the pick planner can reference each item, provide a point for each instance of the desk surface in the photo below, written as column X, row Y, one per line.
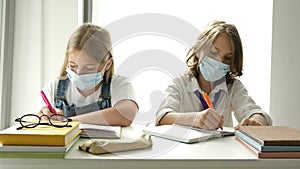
column 226, row 148
column 215, row 153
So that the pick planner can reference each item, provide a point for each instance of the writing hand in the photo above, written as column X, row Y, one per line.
column 209, row 119
column 45, row 111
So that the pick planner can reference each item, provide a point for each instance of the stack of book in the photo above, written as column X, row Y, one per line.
column 270, row 141
column 38, row 142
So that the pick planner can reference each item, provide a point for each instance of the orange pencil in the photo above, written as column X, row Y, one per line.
column 206, row 98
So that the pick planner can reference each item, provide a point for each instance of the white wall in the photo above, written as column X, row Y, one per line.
column 255, row 29
column 285, row 76
column 42, row 29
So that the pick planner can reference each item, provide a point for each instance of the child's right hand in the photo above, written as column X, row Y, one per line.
column 208, row 119
column 45, row 111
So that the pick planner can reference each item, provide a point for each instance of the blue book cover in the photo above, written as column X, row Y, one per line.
column 262, row 148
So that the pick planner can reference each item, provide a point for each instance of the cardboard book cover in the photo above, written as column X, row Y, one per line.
column 272, row 135
column 260, row 154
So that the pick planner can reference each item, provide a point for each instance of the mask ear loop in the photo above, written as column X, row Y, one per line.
column 103, row 69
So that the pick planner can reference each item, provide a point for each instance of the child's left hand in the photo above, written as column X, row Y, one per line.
column 254, row 120
column 248, row 122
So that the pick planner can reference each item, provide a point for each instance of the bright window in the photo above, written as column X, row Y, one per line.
column 151, row 39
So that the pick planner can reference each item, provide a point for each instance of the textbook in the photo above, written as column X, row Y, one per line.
column 40, row 135
column 272, row 154
column 31, row 148
column 185, row 134
column 264, row 148
column 272, row 135
column 11, row 151
column 34, row 155
column 100, row 131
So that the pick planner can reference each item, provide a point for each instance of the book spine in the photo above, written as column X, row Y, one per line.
column 37, row 149
column 33, row 155
column 247, row 146
column 248, row 140
column 260, row 142
column 279, row 154
column 38, row 140
column 264, row 148
column 260, row 154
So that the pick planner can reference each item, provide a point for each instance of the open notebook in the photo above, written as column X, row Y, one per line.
column 100, row 131
column 186, row 134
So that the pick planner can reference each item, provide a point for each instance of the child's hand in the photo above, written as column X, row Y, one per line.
column 248, row 122
column 209, row 119
column 45, row 111
column 254, row 120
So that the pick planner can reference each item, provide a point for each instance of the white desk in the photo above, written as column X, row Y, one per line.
column 216, row 153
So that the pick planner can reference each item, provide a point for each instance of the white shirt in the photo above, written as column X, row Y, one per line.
column 120, row 89
column 180, row 97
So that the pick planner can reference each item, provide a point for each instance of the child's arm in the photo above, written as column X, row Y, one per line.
column 121, row 114
column 259, row 118
column 246, row 111
column 254, row 120
column 207, row 119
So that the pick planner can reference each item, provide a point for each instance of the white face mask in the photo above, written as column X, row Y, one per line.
column 85, row 81
column 213, row 70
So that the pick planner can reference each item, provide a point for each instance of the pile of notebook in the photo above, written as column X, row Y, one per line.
column 39, row 142
column 270, row 141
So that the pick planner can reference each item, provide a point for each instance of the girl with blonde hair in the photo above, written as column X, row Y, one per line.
column 87, row 89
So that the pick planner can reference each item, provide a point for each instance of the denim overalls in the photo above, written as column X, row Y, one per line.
column 104, row 100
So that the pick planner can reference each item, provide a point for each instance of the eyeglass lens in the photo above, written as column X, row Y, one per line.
column 58, row 120
column 29, row 121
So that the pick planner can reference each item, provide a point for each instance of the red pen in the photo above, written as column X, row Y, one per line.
column 48, row 103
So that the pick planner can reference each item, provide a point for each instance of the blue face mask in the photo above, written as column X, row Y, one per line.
column 213, row 70
column 85, row 81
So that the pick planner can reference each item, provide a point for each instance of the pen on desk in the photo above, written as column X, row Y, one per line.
column 207, row 100
column 47, row 103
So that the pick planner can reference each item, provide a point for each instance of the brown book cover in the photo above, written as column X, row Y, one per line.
column 275, row 154
column 273, row 135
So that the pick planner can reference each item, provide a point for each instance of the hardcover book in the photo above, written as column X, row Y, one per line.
column 33, row 149
column 264, row 148
column 12, row 151
column 40, row 135
column 275, row 154
column 272, row 135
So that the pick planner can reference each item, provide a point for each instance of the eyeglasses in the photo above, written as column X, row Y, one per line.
column 33, row 120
